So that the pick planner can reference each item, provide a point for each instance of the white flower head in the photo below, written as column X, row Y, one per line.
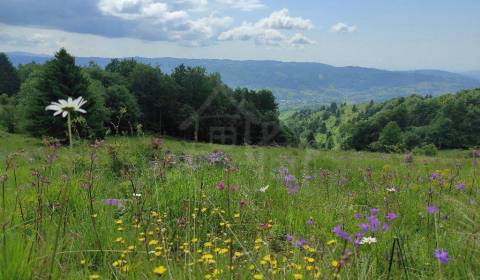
column 368, row 240
column 65, row 107
column 137, row 195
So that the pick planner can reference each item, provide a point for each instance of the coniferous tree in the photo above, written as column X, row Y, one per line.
column 61, row 79
column 9, row 80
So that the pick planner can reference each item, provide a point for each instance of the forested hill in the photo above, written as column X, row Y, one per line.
column 400, row 124
column 299, row 83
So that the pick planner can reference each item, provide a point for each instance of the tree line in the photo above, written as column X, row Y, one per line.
column 128, row 97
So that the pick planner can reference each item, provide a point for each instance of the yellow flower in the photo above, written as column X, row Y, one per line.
column 153, row 242
column 335, row 263
column 332, row 242
column 258, row 277
column 94, row 277
column 297, row 276
column 159, row 270
column 238, row 254
column 236, row 215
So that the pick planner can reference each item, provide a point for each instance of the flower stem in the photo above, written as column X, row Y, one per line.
column 69, row 124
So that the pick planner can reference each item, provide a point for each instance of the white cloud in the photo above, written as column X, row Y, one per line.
column 281, row 20
column 341, row 27
column 300, row 39
column 140, row 9
column 244, row 5
column 267, row 31
column 172, row 20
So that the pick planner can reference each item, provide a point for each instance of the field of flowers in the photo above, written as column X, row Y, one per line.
column 148, row 208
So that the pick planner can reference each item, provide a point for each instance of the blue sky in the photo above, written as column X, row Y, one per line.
column 388, row 34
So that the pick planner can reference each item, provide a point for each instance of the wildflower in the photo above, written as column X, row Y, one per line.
column 137, row 195
column 297, row 276
column 264, row 189
column 111, row 202
column 94, row 277
column 392, row 190
column 460, row 186
column 293, row 190
column 65, row 107
column 374, row 211
column 338, row 231
column 221, row 185
column 385, row 227
column 310, row 221
column 391, row 216
column 357, row 216
column 441, row 255
column 300, row 243
column 159, row 270
column 332, row 242
column 364, row 227
column 289, row 237
column 435, row 176
column 258, row 276
column 432, row 209
column 374, row 223
column 368, row 240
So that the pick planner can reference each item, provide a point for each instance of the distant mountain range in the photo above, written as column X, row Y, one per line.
column 304, row 83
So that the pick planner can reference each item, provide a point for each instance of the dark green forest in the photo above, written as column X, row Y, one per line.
column 127, row 98
column 414, row 123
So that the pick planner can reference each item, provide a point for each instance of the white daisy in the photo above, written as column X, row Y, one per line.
column 65, row 107
column 368, row 240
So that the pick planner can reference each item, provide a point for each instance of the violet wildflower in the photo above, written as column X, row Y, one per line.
column 289, row 237
column 432, row 209
column 374, row 223
column 340, row 233
column 435, row 176
column 391, row 216
column 357, row 216
column 364, row 227
column 293, row 190
column 310, row 221
column 385, row 227
column 300, row 243
column 374, row 211
column 441, row 255
column 460, row 186
column 111, row 202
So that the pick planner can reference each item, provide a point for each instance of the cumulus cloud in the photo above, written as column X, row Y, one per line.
column 341, row 27
column 140, row 9
column 281, row 20
column 244, row 5
column 267, row 31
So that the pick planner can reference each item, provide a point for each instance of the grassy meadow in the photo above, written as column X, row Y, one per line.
column 148, row 208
